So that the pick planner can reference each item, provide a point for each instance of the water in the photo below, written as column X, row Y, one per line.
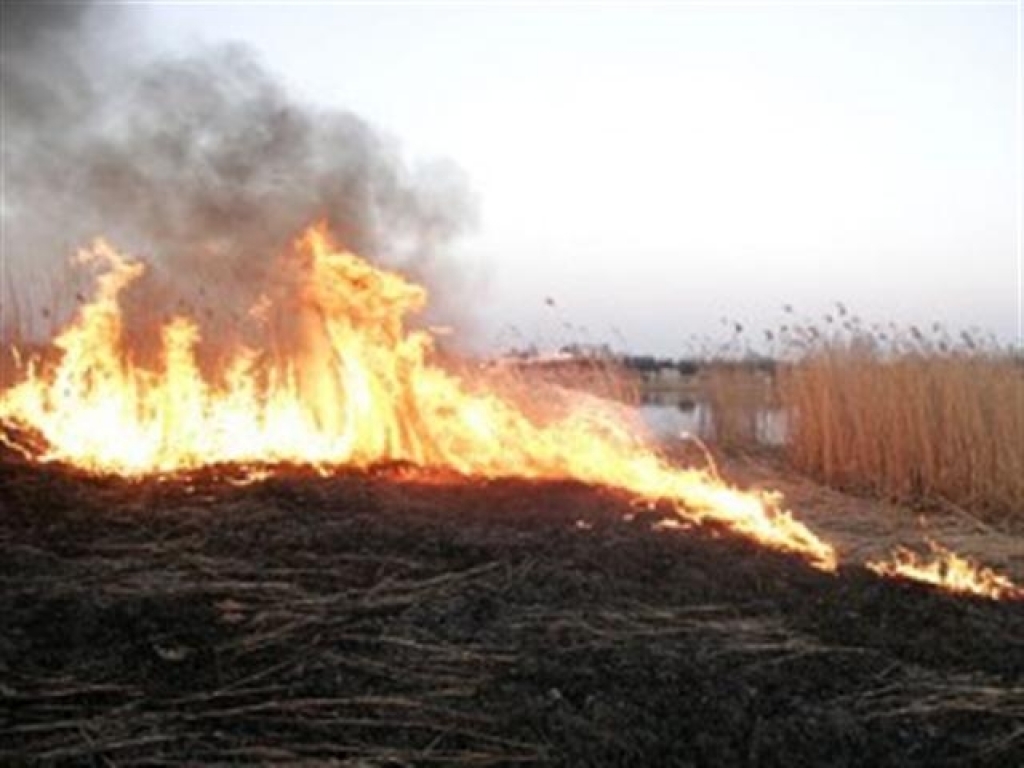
column 695, row 418
column 684, row 418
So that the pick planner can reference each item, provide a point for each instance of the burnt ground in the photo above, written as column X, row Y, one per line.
column 385, row 618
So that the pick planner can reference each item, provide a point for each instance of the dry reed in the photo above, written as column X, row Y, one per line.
column 739, row 395
column 909, row 417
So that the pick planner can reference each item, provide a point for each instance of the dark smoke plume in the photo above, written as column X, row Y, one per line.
column 201, row 164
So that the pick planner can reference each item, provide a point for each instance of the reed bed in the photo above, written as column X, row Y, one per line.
column 909, row 417
column 739, row 395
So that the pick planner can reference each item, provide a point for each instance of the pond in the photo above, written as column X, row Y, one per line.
column 696, row 418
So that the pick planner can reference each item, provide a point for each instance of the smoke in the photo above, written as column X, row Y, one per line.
column 200, row 163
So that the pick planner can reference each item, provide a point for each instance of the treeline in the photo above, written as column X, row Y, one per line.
column 651, row 364
column 690, row 366
column 644, row 364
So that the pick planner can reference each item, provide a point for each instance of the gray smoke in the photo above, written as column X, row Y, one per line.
column 202, row 164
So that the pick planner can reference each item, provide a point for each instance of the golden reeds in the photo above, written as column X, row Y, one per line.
column 739, row 394
column 909, row 417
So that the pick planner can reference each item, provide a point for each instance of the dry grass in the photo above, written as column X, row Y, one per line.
column 527, row 379
column 897, row 413
column 909, row 417
column 739, row 395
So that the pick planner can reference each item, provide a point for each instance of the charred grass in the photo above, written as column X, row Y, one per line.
column 389, row 618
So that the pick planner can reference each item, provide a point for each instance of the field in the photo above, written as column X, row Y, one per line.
column 394, row 616
column 920, row 424
column 386, row 618
column 921, row 420
column 332, row 431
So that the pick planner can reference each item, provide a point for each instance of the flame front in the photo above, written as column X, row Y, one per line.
column 948, row 571
column 350, row 385
column 359, row 388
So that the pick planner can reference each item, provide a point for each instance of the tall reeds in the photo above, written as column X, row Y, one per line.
column 909, row 417
column 740, row 395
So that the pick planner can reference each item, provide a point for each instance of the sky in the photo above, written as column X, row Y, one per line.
column 644, row 171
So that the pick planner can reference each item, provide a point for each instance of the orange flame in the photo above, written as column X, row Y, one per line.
column 359, row 389
column 949, row 571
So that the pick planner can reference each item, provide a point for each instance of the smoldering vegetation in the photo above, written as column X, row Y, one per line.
column 199, row 162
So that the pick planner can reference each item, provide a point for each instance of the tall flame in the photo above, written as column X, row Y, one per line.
column 352, row 386
column 358, row 388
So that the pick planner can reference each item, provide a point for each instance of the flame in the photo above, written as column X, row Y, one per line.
column 358, row 388
column 354, row 386
column 949, row 571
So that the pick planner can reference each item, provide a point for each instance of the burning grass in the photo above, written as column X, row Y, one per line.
column 383, row 618
column 338, row 548
column 338, row 380
column 946, row 568
column 348, row 385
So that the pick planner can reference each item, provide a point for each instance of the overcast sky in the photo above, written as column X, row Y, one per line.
column 654, row 169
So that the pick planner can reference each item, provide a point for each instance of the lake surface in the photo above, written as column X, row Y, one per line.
column 696, row 419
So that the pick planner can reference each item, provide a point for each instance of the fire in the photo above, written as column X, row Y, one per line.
column 357, row 388
column 340, row 380
column 949, row 571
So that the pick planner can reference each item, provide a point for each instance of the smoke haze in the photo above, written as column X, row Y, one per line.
column 200, row 163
